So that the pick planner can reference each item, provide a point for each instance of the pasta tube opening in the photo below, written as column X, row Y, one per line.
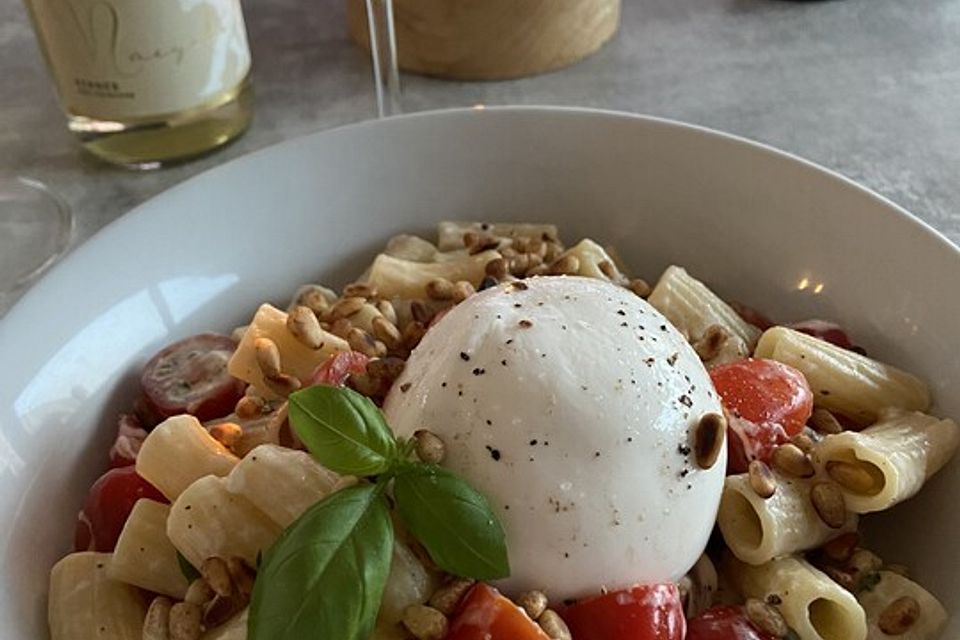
column 856, row 475
column 744, row 518
column 830, row 620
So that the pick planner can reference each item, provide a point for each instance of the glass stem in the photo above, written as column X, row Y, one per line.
column 383, row 54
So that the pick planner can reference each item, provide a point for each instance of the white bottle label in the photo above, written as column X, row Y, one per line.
column 120, row 59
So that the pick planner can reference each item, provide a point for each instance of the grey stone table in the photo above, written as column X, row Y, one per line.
column 870, row 88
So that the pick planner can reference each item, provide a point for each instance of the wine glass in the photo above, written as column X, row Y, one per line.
column 383, row 53
column 35, row 228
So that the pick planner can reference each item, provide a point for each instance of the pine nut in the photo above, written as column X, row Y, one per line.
column 766, row 618
column 789, row 459
column 850, row 476
column 608, row 269
column 386, row 309
column 640, row 287
column 186, row 621
column 386, row 368
column 841, row 548
column 824, row 422
column 446, row 598
column 711, row 342
column 762, row 480
column 519, row 265
column 241, row 575
column 360, row 290
column 565, row 265
column 156, row 626
column 430, row 448
column 829, row 504
column 554, row 626
column 420, row 312
column 708, row 439
column 221, row 609
column 552, row 251
column 479, row 242
column 346, row 307
column 199, row 592
column 365, row 384
column 439, row 289
column 314, row 299
column 863, row 561
column 341, row 327
column 899, row 616
column 841, row 577
column 462, row 290
column 534, row 603
column 425, row 623
column 268, row 356
column 214, row 570
column 412, row 334
column 304, row 326
column 497, row 268
column 226, row 433
column 803, row 442
column 282, row 385
column 249, row 407
column 366, row 344
column 386, row 332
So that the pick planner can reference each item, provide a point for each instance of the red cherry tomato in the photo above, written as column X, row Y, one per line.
column 752, row 316
column 826, row 331
column 191, row 376
column 484, row 614
column 724, row 623
column 766, row 402
column 643, row 612
column 108, row 506
column 334, row 371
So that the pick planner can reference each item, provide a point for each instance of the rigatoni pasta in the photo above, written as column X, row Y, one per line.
column 396, row 278
column 898, row 607
column 758, row 530
column 144, row 555
column 814, row 606
column 889, row 461
column 843, row 381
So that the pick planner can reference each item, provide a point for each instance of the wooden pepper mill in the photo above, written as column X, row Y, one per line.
column 492, row 39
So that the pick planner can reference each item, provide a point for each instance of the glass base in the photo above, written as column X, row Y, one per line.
column 35, row 229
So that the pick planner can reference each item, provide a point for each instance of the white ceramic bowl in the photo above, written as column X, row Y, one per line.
column 765, row 228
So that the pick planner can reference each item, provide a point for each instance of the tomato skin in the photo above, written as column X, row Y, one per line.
column 643, row 612
column 108, row 506
column 752, row 316
column 484, row 614
column 766, row 403
column 334, row 371
column 190, row 376
column 724, row 623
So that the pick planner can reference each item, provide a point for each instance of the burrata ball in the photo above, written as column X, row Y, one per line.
column 572, row 405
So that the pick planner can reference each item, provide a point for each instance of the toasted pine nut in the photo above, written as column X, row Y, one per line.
column 841, row 548
column 762, row 480
column 497, row 268
column 554, row 626
column 640, row 287
column 850, row 476
column 226, row 433
column 346, row 307
column 552, row 251
column 360, row 290
column 341, row 327
column 386, row 368
column 199, row 592
column 215, row 571
column 249, row 407
column 304, row 326
column 186, row 621
column 534, row 603
column 366, row 344
column 313, row 298
column 608, row 269
column 824, row 422
column 430, row 448
column 708, row 439
column 565, row 265
column 803, row 442
column 268, row 356
column 282, row 385
column 841, row 577
column 899, row 616
column 711, row 342
column 789, row 459
column 462, row 290
column 829, row 504
column 156, row 626
column 766, row 618
column 221, row 609
column 412, row 334
column 479, row 242
column 241, row 574
column 386, row 309
column 420, row 312
column 365, row 384
column 439, row 289
column 425, row 623
column 386, row 332
column 446, row 598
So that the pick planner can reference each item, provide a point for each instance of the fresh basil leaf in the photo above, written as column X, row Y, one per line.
column 188, row 570
column 453, row 521
column 325, row 576
column 343, row 430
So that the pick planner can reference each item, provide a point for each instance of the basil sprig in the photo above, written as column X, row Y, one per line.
column 324, row 577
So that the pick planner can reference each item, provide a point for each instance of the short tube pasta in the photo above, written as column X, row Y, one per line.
column 178, row 452
column 891, row 587
column 814, row 606
column 144, row 555
column 84, row 603
column 450, row 233
column 889, row 461
column 693, row 308
column 843, row 381
column 396, row 278
column 758, row 530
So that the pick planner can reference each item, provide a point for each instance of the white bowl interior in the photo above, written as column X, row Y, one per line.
column 755, row 223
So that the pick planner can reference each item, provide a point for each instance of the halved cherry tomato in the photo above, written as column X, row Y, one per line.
column 724, row 623
column 484, row 614
column 130, row 436
column 752, row 316
column 334, row 371
column 643, row 612
column 827, row 331
column 108, row 506
column 766, row 403
column 191, row 376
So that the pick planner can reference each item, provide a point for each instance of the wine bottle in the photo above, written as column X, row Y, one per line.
column 148, row 82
